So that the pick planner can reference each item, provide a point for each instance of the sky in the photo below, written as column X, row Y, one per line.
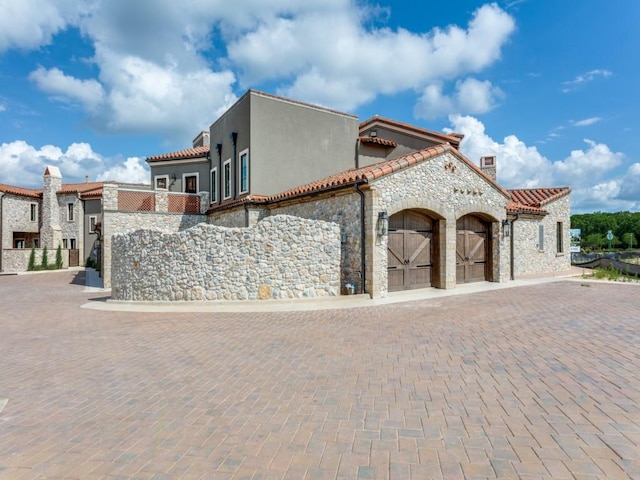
column 549, row 87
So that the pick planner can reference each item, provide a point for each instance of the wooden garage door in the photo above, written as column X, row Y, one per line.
column 471, row 250
column 409, row 251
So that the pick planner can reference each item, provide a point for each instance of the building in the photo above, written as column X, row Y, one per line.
column 412, row 211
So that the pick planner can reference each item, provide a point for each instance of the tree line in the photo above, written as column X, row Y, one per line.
column 625, row 227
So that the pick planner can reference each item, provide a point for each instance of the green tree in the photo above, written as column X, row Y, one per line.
column 32, row 260
column 629, row 240
column 594, row 240
column 45, row 261
column 59, row 257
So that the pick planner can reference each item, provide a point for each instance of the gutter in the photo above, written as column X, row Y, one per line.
column 363, row 266
column 513, row 260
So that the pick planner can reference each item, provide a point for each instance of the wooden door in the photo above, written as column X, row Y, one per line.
column 409, row 251
column 471, row 249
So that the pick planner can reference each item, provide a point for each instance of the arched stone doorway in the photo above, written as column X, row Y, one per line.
column 473, row 250
column 411, row 251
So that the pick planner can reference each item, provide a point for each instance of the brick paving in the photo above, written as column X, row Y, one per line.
column 530, row 382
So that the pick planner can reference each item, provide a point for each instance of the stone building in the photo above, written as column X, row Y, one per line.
column 412, row 211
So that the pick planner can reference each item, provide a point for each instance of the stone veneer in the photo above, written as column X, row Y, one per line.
column 529, row 258
column 17, row 259
column 279, row 257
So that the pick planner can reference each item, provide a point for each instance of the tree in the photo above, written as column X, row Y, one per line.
column 629, row 240
column 32, row 260
column 59, row 257
column 45, row 261
column 594, row 240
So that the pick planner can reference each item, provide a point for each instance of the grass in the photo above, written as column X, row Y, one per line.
column 611, row 274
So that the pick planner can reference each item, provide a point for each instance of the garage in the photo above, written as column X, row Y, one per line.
column 472, row 250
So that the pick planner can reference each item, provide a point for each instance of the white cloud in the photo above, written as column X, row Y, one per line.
column 471, row 96
column 2, row 107
column 24, row 164
column 586, row 171
column 88, row 92
column 586, row 122
column 585, row 78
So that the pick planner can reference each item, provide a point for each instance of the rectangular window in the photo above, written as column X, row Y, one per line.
column 92, row 224
column 70, row 212
column 34, row 243
column 541, row 237
column 162, row 182
column 18, row 243
column 560, row 236
column 64, row 243
column 227, row 179
column 214, row 185
column 244, row 171
column 34, row 212
column 190, row 183
column 72, row 243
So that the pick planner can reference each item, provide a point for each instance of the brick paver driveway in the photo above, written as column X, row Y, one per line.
column 533, row 382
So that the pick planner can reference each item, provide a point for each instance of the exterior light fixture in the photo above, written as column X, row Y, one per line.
column 506, row 228
column 383, row 224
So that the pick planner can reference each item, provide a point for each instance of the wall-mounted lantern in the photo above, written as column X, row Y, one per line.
column 506, row 228
column 383, row 224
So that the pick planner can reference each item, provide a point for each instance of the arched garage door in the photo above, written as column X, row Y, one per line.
column 472, row 250
column 410, row 251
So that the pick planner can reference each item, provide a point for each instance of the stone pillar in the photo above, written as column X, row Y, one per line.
column 51, row 233
column 109, row 206
column 162, row 200
column 204, row 202
column 449, row 263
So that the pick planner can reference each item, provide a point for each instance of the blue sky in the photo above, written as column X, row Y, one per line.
column 549, row 87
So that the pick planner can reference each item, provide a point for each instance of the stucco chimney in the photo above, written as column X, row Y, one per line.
column 202, row 140
column 488, row 166
column 51, row 233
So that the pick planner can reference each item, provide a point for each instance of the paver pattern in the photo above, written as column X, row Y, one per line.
column 533, row 382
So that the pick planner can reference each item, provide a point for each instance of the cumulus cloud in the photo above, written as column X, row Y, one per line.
column 24, row 164
column 88, row 92
column 471, row 96
column 523, row 166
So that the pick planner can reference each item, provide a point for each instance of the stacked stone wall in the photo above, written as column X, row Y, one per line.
column 280, row 257
column 17, row 259
column 529, row 258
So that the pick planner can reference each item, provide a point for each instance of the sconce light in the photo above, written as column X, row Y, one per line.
column 173, row 177
column 383, row 223
column 506, row 228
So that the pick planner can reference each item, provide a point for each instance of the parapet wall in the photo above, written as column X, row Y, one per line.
column 280, row 257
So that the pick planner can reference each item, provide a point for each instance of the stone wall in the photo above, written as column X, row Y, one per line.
column 233, row 218
column 279, row 257
column 16, row 217
column 17, row 259
column 529, row 258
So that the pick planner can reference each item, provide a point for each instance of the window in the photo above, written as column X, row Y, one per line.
column 190, row 183
column 162, row 182
column 34, row 243
column 72, row 243
column 541, row 237
column 34, row 212
column 64, row 243
column 244, row 171
column 227, row 179
column 214, row 185
column 18, row 243
column 560, row 236
column 92, row 224
column 70, row 212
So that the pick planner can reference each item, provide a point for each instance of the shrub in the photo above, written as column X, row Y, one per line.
column 32, row 260
column 59, row 257
column 45, row 261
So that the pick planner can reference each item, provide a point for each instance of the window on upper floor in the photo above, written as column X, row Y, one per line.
column 244, row 171
column 92, row 223
column 70, row 212
column 190, row 183
column 34, row 212
column 226, row 175
column 162, row 182
column 214, row 185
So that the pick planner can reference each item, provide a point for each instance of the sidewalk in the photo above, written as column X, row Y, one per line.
column 316, row 303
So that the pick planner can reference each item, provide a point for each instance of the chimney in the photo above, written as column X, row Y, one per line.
column 202, row 140
column 488, row 166
column 50, row 232
column 86, row 179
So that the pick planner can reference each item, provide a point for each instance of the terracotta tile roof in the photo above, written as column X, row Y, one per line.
column 361, row 175
column 452, row 138
column 538, row 197
column 379, row 141
column 181, row 154
column 21, row 192
column 515, row 207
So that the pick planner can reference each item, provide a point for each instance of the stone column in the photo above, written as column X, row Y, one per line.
column 109, row 207
column 51, row 233
column 449, row 263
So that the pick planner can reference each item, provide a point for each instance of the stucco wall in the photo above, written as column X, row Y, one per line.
column 529, row 259
column 280, row 257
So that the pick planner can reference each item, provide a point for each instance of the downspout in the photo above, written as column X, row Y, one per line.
column 513, row 260
column 234, row 140
column 363, row 266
